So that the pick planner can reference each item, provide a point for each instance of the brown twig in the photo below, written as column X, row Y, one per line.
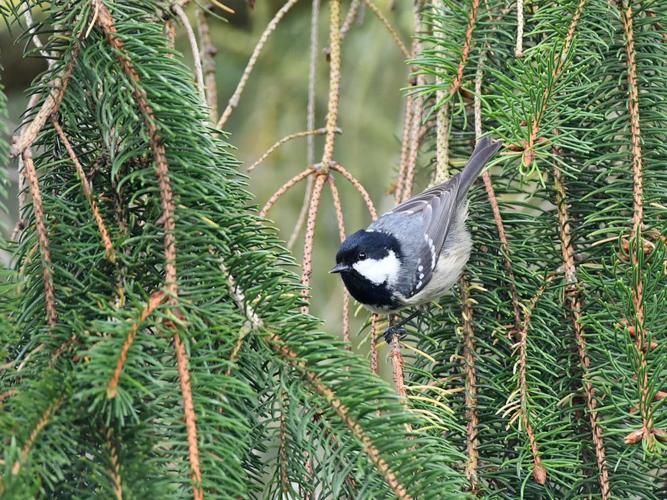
column 42, row 238
column 637, row 219
column 358, row 186
column 303, row 212
column 573, row 302
column 341, row 234
column 282, row 446
column 41, row 423
column 442, row 144
column 106, row 23
column 539, row 472
column 207, row 54
column 472, row 441
column 87, row 191
column 155, row 300
column 351, row 15
column 287, row 138
column 375, row 319
column 397, row 364
column 334, row 82
column 283, row 189
column 392, row 31
column 307, row 262
column 465, row 53
column 51, row 103
column 199, row 72
column 116, row 478
column 321, row 388
column 270, row 28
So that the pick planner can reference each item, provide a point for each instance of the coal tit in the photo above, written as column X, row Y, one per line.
column 414, row 253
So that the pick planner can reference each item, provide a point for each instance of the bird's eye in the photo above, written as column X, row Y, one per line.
column 362, row 255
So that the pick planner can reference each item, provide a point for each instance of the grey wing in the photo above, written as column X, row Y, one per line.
column 421, row 225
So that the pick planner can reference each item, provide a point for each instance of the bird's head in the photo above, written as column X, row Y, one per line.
column 371, row 256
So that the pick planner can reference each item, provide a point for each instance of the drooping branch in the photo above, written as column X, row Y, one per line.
column 390, row 28
column 87, row 191
column 283, row 189
column 359, row 187
column 42, row 238
column 334, row 82
column 350, row 17
column 106, row 23
column 270, row 28
column 518, row 51
column 307, row 262
column 573, row 302
column 644, row 388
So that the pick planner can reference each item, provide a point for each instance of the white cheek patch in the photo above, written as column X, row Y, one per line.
column 377, row 271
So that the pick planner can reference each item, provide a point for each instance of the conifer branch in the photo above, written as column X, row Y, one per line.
column 283, row 189
column 207, row 54
column 42, row 237
column 334, row 83
column 106, row 23
column 155, row 300
column 390, row 28
column 573, row 302
column 87, row 191
column 282, row 444
column 359, row 187
column 307, row 262
column 637, row 220
column 340, row 220
column 547, row 94
column 287, row 138
column 50, row 105
column 39, row 427
column 196, row 55
column 472, row 440
column 270, row 28
column 277, row 344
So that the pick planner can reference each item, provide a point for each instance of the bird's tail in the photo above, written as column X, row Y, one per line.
column 483, row 152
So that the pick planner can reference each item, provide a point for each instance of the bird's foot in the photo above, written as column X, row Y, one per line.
column 394, row 330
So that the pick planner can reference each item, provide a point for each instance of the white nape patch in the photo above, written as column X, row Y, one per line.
column 377, row 271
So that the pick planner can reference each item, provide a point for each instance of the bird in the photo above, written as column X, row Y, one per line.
column 413, row 254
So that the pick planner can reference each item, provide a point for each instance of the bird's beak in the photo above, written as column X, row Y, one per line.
column 338, row 268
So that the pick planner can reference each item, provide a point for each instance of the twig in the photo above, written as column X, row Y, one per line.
column 41, row 423
column 358, row 186
column 277, row 344
column 42, row 238
column 637, row 219
column 27, row 17
column 283, row 189
column 392, row 31
column 472, row 19
column 472, row 441
column 50, row 106
column 307, row 261
column 199, row 72
column 282, row 446
column 574, row 305
column 351, row 15
column 106, row 23
column 518, row 50
column 375, row 319
column 87, row 191
column 287, row 138
column 442, row 143
column 341, row 234
column 397, row 364
column 115, row 465
column 270, row 28
column 170, row 34
column 303, row 212
column 334, row 82
column 208, row 52
column 155, row 300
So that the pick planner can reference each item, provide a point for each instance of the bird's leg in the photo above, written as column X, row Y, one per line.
column 397, row 329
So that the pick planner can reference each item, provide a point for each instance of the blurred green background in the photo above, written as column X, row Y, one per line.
column 273, row 105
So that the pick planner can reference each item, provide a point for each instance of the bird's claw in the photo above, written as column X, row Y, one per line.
column 394, row 330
